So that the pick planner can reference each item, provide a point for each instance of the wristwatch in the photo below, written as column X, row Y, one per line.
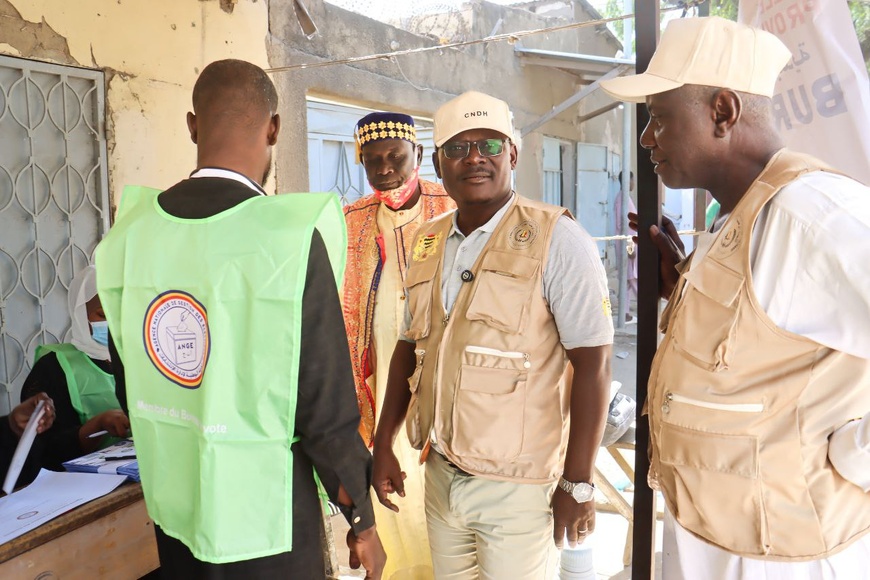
column 580, row 491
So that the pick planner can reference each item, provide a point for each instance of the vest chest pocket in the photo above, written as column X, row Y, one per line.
column 504, row 290
column 419, row 284
column 703, row 323
column 489, row 410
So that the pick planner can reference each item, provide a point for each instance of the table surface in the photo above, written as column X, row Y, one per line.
column 126, row 494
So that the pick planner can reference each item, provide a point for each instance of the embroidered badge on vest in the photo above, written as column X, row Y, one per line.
column 732, row 238
column 426, row 246
column 177, row 337
column 523, row 235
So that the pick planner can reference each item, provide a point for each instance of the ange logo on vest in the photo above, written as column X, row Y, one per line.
column 177, row 337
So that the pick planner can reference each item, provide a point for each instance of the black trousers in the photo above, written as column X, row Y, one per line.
column 304, row 562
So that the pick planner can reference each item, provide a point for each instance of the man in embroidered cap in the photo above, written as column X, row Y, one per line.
column 380, row 230
column 759, row 387
column 503, row 294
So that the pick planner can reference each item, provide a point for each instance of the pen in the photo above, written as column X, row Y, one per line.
column 104, row 432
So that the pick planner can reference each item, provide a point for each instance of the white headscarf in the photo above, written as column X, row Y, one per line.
column 82, row 288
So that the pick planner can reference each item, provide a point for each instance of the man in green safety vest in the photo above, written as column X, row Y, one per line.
column 223, row 305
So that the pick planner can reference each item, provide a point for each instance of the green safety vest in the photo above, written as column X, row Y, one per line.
column 206, row 315
column 91, row 390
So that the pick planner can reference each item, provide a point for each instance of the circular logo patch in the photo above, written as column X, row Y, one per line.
column 523, row 235
column 177, row 339
column 732, row 238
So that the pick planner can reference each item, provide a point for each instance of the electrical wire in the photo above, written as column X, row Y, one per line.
column 509, row 36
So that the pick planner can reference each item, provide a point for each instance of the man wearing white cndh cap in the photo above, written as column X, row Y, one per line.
column 503, row 294
column 758, row 390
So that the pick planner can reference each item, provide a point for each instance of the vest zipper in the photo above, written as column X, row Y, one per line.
column 500, row 353
column 415, row 424
column 734, row 407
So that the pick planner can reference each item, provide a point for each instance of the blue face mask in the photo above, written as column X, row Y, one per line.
column 100, row 332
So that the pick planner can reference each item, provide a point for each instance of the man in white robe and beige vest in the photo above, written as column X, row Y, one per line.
column 760, row 391
column 502, row 376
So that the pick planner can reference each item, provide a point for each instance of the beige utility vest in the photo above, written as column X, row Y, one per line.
column 741, row 410
column 490, row 377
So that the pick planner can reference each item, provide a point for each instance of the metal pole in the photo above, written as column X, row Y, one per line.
column 622, row 220
column 571, row 101
column 649, row 208
column 597, row 112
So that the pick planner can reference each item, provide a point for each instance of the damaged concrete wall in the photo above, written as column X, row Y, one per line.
column 151, row 53
column 419, row 84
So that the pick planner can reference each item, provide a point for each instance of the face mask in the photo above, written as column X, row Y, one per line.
column 100, row 332
column 396, row 198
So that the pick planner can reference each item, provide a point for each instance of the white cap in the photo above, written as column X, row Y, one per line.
column 472, row 110
column 712, row 52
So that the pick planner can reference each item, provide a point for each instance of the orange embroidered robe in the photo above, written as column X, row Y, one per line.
column 361, row 282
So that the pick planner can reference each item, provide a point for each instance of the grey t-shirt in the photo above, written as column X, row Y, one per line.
column 574, row 281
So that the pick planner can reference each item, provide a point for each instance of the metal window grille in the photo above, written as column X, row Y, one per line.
column 331, row 168
column 54, row 203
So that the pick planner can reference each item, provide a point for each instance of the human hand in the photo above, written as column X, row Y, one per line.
column 632, row 224
column 367, row 551
column 21, row 414
column 114, row 421
column 671, row 252
column 577, row 520
column 387, row 476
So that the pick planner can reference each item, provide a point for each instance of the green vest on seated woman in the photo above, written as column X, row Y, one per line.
column 91, row 390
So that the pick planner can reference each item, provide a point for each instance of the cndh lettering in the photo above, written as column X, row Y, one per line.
column 476, row 114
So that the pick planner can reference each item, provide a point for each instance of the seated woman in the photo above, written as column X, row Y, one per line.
column 78, row 377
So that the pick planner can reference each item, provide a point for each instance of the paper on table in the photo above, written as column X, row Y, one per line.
column 119, row 457
column 51, row 494
column 23, row 448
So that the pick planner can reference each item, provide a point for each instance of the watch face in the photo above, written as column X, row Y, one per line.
column 583, row 492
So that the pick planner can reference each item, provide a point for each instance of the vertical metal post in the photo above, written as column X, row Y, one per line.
column 700, row 221
column 621, row 261
column 649, row 212
column 622, row 218
column 624, row 189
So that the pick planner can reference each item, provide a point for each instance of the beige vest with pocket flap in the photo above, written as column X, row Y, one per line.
column 741, row 410
column 492, row 379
